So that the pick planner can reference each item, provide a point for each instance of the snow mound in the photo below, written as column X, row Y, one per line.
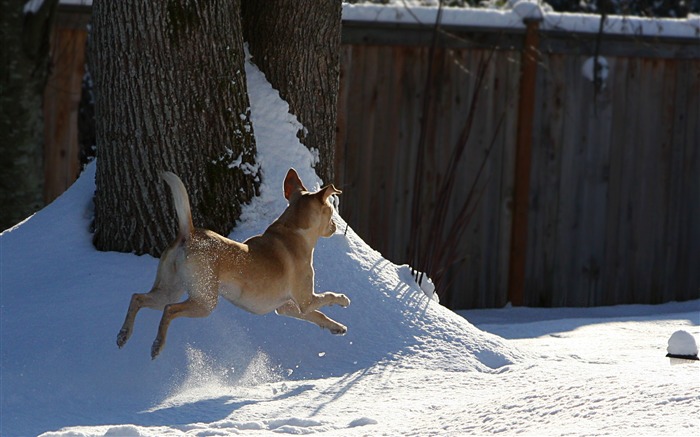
column 63, row 302
column 682, row 343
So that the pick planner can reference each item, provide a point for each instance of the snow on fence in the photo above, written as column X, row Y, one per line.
column 613, row 210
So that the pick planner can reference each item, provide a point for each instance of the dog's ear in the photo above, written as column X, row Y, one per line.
column 292, row 184
column 328, row 191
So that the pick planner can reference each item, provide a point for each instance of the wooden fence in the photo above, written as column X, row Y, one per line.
column 614, row 183
column 614, row 197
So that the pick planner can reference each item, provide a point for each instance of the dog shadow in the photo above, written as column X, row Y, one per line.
column 220, row 408
column 204, row 410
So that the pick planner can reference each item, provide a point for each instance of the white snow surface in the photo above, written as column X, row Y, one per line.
column 407, row 366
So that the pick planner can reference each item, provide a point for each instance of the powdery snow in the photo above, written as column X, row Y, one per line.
column 406, row 367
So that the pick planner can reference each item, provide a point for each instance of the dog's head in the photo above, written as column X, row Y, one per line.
column 310, row 211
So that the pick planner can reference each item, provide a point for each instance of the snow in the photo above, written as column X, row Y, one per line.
column 528, row 10
column 32, row 6
column 682, row 343
column 397, row 12
column 588, row 69
column 407, row 365
column 426, row 284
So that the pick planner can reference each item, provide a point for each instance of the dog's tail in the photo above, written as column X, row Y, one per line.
column 182, row 204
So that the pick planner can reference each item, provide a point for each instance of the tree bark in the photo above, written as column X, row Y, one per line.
column 297, row 45
column 24, row 68
column 170, row 94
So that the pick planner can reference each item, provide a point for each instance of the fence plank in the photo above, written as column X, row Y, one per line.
column 619, row 179
column 666, row 281
column 649, row 203
column 545, row 175
column 61, row 101
column 582, row 209
column 687, row 127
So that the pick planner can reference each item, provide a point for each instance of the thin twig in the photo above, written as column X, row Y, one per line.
column 427, row 117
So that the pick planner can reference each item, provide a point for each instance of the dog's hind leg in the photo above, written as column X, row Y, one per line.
column 138, row 301
column 188, row 308
column 292, row 310
column 159, row 296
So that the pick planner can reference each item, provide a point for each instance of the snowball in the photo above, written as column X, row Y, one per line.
column 589, row 73
column 682, row 343
column 528, row 10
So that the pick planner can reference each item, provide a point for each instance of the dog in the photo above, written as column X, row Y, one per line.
column 269, row 272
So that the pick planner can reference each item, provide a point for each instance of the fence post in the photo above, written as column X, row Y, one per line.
column 523, row 160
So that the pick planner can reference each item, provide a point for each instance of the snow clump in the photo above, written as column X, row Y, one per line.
column 682, row 343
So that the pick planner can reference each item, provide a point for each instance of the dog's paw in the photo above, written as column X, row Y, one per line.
column 343, row 301
column 339, row 330
column 122, row 337
column 156, row 348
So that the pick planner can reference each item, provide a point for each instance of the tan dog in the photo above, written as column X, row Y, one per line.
column 268, row 272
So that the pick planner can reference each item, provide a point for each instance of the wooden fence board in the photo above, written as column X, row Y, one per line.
column 342, row 120
column 570, row 191
column 510, row 66
column 479, row 258
column 615, row 262
column 666, row 279
column 688, row 116
column 596, row 122
column 61, row 101
column 648, row 178
column 468, row 272
column 485, row 221
column 545, row 174
column 407, row 85
column 364, row 182
column 676, row 137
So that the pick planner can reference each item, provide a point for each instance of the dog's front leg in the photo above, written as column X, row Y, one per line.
column 309, row 302
column 292, row 310
column 188, row 308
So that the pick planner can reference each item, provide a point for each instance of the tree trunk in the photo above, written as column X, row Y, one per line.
column 24, row 67
column 170, row 94
column 297, row 45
